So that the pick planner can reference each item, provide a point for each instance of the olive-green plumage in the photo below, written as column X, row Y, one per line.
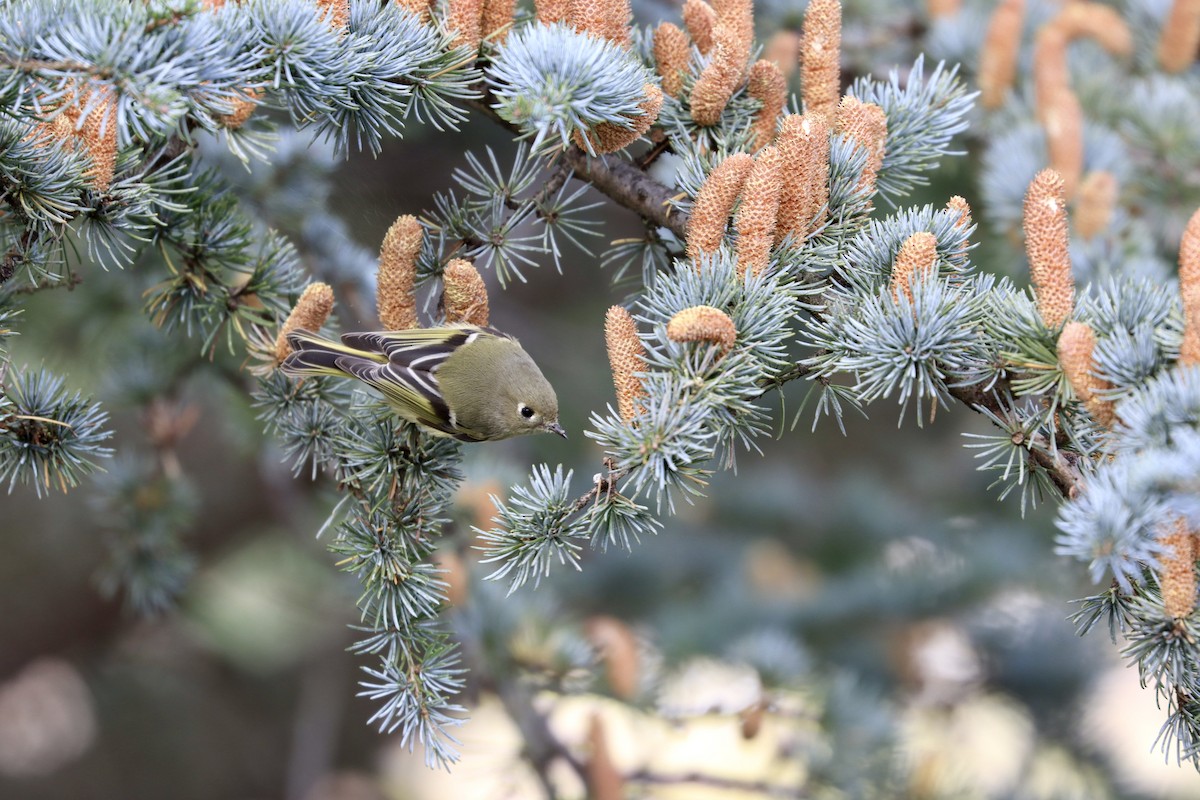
column 474, row 384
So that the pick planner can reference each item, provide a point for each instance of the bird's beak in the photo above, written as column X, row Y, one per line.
column 554, row 427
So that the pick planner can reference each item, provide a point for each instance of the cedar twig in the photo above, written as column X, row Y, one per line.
column 661, row 144
column 559, row 175
column 619, row 179
column 35, row 64
column 69, row 284
column 606, row 483
column 630, row 187
column 13, row 258
column 792, row 373
column 1060, row 464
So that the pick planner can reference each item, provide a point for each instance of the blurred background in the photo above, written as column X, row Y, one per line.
column 903, row 633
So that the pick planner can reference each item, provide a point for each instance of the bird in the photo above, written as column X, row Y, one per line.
column 465, row 382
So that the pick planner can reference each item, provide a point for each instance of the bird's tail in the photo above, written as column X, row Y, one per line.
column 313, row 355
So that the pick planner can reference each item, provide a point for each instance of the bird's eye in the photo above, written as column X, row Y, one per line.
column 526, row 412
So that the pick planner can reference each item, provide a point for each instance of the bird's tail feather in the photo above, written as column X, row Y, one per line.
column 313, row 355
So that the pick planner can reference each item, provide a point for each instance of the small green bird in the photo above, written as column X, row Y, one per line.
column 472, row 384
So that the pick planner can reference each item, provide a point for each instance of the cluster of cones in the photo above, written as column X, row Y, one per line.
column 724, row 31
column 1047, row 248
column 704, row 325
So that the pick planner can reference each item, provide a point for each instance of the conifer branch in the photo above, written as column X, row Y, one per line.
column 630, row 187
column 1061, row 465
column 618, row 179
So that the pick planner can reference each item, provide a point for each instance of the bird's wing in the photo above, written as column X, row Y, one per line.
column 414, row 394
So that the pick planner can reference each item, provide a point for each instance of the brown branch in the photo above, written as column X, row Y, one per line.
column 794, row 372
column 540, row 746
column 35, row 64
column 8, row 264
column 619, row 179
column 15, row 255
column 630, row 187
column 661, row 144
column 605, row 484
column 1062, row 465
column 69, row 284
column 561, row 172
column 171, row 19
column 1059, row 463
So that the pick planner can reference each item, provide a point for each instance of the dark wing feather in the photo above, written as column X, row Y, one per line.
column 417, row 401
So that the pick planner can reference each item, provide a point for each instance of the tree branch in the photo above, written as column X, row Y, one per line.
column 69, row 284
column 612, row 175
column 541, row 747
column 629, row 186
column 794, row 372
column 1060, row 464
column 15, row 256
column 605, row 484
